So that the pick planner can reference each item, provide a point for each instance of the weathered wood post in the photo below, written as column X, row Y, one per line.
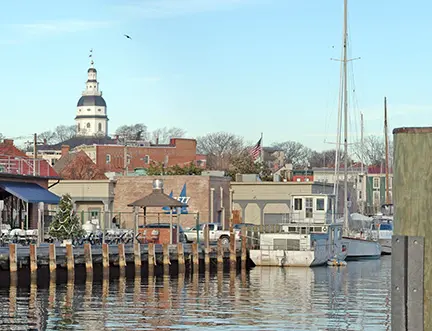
column 52, row 258
column 70, row 262
column 105, row 256
column 233, row 252
column 151, row 259
column 195, row 257
column 137, row 254
column 33, row 258
column 180, row 257
column 243, row 247
column 412, row 239
column 220, row 254
column 13, row 261
column 121, row 256
column 207, row 247
column 88, row 258
column 166, row 258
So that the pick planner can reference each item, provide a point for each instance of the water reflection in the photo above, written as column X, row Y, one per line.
column 356, row 297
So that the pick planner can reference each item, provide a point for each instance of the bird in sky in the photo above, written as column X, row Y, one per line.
column 128, row 37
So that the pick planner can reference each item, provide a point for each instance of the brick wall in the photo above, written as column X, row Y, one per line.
column 129, row 189
column 179, row 151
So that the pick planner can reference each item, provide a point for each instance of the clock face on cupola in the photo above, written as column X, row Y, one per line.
column 91, row 117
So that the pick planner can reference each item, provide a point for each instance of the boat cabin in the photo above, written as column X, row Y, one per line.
column 314, row 208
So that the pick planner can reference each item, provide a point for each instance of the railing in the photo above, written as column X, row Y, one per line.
column 25, row 166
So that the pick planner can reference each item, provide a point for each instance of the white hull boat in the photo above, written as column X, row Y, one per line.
column 362, row 249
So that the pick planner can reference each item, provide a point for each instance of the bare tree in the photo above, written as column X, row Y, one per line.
column 220, row 148
column 326, row 158
column 295, row 152
column 133, row 132
column 373, row 151
column 64, row 132
column 48, row 136
column 163, row 135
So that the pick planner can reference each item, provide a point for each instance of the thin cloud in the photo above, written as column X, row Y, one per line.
column 170, row 8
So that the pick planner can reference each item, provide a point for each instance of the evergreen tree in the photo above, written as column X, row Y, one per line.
column 66, row 224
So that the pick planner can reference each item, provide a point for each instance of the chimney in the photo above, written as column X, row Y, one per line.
column 157, row 140
column 65, row 149
column 8, row 142
column 44, row 141
column 158, row 185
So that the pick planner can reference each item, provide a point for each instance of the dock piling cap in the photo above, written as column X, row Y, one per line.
column 425, row 129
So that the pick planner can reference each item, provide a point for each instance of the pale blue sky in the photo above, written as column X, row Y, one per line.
column 245, row 66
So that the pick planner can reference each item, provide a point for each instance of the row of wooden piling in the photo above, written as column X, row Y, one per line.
column 151, row 260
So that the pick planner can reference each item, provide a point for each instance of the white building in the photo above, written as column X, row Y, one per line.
column 91, row 117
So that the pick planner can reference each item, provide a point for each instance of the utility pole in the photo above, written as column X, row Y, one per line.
column 35, row 153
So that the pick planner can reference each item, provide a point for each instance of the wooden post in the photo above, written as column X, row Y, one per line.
column 137, row 254
column 52, row 258
column 88, row 258
column 33, row 258
column 233, row 252
column 244, row 248
column 70, row 262
column 195, row 257
column 220, row 253
column 180, row 257
column 207, row 247
column 151, row 255
column 122, row 256
column 166, row 258
column 13, row 261
column 105, row 256
column 412, row 235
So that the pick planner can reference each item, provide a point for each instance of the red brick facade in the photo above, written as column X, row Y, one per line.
column 179, row 151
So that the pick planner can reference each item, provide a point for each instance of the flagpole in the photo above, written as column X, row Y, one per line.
column 262, row 149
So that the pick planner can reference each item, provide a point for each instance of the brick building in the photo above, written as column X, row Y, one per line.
column 208, row 195
column 111, row 158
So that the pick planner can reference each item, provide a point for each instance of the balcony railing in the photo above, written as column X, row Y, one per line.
column 25, row 166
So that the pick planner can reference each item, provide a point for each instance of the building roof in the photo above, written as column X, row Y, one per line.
column 78, row 166
column 157, row 199
column 78, row 141
column 91, row 100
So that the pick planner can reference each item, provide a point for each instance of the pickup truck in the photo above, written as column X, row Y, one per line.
column 215, row 232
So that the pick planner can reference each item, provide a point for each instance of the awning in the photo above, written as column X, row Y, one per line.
column 30, row 192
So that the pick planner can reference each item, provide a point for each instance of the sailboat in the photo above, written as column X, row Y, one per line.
column 358, row 247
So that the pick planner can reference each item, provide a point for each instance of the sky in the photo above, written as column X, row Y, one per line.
column 242, row 66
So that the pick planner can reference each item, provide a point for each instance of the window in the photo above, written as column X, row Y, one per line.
column 79, row 127
column 108, row 158
column 88, row 109
column 166, row 161
column 298, row 204
column 100, row 127
column 376, row 182
column 88, row 125
column 376, row 197
column 390, row 182
column 146, row 159
column 359, row 195
column 128, row 158
column 309, row 207
column 320, row 204
column 99, row 109
column 360, row 178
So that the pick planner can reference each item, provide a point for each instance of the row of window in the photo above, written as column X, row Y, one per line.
column 146, row 159
column 319, row 204
column 88, row 109
column 88, row 126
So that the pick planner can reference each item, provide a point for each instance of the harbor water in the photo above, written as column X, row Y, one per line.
column 355, row 297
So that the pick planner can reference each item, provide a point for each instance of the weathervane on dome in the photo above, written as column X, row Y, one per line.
column 91, row 56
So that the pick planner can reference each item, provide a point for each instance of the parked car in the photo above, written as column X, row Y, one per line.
column 215, row 232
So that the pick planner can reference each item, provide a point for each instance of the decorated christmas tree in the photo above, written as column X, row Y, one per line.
column 66, row 224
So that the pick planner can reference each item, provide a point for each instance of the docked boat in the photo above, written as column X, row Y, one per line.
column 308, row 239
column 382, row 228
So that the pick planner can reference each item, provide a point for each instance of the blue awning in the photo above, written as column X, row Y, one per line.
column 30, row 192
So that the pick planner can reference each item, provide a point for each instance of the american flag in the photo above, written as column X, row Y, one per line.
column 256, row 150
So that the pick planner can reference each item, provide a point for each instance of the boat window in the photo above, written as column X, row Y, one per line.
column 320, row 204
column 309, row 207
column 339, row 235
column 292, row 229
column 318, row 229
column 303, row 230
column 388, row 227
column 311, row 229
column 298, row 204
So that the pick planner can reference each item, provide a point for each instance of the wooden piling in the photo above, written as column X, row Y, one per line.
column 243, row 247
column 105, row 256
column 137, row 254
column 13, row 262
column 195, row 257
column 70, row 262
column 207, row 247
column 412, row 235
column 121, row 256
column 180, row 257
column 52, row 258
column 220, row 254
column 88, row 258
column 151, row 255
column 233, row 253
column 33, row 258
column 166, row 258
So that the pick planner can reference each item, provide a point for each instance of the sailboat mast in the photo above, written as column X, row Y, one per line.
column 345, row 113
column 386, row 152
